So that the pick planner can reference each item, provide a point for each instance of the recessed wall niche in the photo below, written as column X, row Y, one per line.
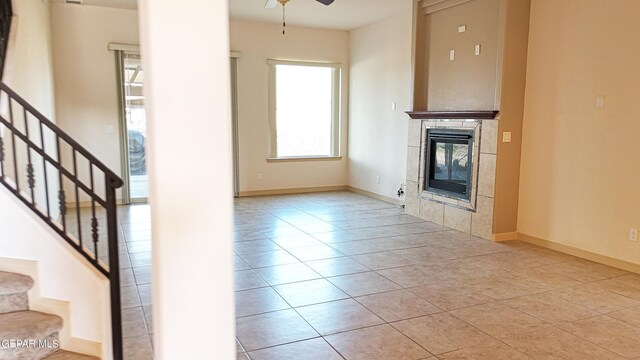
column 470, row 56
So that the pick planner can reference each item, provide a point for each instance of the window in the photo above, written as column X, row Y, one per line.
column 304, row 109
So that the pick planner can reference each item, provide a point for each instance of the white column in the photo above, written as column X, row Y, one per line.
column 185, row 51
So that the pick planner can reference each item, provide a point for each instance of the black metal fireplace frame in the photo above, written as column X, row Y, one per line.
column 445, row 187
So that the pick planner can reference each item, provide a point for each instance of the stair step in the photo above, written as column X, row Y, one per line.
column 68, row 355
column 11, row 283
column 28, row 325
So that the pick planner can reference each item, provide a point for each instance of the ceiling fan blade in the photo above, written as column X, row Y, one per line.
column 326, row 2
column 270, row 4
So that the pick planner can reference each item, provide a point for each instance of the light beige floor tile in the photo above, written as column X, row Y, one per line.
column 450, row 295
column 310, row 292
column 284, row 274
column 254, row 246
column 550, row 308
column 595, row 298
column 382, row 260
column 498, row 320
column 317, row 252
column 397, row 305
column 268, row 258
column 239, row 264
column 137, row 348
column 337, row 266
column 363, row 283
column 126, row 277
column 441, row 333
column 553, row 343
column 628, row 285
column 414, row 275
column 142, row 275
column 491, row 351
column 133, row 323
column 257, row 301
column 129, row 297
column 585, row 271
column 612, row 334
column 292, row 242
column 148, row 317
column 381, row 342
column 145, row 292
column 337, row 316
column 630, row 316
column 271, row 329
column 248, row 279
column 314, row 349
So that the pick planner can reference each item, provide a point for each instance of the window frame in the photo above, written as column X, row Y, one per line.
column 336, row 111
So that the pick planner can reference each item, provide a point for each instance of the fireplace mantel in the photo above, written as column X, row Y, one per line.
column 473, row 114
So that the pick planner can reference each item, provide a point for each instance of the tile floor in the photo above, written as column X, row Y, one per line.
column 344, row 276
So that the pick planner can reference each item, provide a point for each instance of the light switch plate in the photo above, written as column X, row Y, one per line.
column 599, row 101
column 506, row 137
column 477, row 50
column 452, row 55
column 462, row 28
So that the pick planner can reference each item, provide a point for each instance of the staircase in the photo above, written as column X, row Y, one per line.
column 26, row 334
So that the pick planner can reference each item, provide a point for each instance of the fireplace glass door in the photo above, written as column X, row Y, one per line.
column 449, row 162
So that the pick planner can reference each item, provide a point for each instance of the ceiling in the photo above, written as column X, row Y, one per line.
column 342, row 14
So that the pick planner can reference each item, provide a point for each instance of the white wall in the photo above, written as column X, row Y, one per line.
column 85, row 71
column 193, row 303
column 380, row 74
column 63, row 274
column 28, row 70
column 258, row 42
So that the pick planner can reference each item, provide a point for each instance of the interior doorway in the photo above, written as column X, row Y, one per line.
column 133, row 127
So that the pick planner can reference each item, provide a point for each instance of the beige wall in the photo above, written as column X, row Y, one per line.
column 28, row 70
column 579, row 175
column 468, row 82
column 85, row 72
column 514, row 64
column 258, row 42
column 380, row 75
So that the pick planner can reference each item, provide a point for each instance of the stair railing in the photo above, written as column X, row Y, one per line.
column 66, row 186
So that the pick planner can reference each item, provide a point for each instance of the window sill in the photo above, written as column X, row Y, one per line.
column 304, row 159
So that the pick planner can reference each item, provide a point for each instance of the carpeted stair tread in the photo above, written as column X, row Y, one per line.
column 28, row 325
column 68, row 355
column 12, row 283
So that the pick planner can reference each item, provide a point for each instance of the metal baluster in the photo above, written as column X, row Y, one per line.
column 44, row 167
column 1, row 158
column 61, row 196
column 94, row 221
column 31, row 181
column 75, row 174
column 13, row 146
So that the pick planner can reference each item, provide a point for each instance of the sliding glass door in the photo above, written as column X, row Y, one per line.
column 133, row 127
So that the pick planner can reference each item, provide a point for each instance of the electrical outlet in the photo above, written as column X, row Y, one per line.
column 378, row 179
column 259, row 176
column 401, row 191
column 633, row 234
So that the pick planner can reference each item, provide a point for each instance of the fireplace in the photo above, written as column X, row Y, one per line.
column 449, row 162
column 451, row 169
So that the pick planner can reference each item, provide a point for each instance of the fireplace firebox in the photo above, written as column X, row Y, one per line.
column 449, row 165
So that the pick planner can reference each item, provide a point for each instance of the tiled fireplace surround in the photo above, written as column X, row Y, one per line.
column 473, row 217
